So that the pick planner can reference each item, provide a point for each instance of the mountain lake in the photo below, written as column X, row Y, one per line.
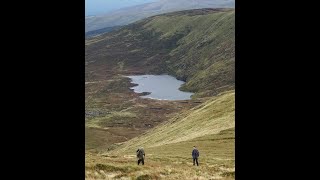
column 161, row 87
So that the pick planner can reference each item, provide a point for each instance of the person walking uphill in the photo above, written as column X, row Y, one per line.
column 195, row 155
column 140, row 155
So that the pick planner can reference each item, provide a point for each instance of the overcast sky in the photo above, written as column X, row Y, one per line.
column 94, row 7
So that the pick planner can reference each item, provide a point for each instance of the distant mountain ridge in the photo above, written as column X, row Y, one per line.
column 101, row 31
column 128, row 15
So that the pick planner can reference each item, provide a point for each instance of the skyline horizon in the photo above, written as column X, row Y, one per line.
column 99, row 7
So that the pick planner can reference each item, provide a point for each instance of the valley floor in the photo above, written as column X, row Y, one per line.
column 114, row 113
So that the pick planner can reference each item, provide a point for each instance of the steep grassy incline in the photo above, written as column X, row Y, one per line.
column 196, row 46
column 205, row 120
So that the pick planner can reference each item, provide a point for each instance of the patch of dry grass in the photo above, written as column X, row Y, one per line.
column 126, row 168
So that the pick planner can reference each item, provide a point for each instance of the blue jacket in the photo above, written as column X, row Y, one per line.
column 195, row 153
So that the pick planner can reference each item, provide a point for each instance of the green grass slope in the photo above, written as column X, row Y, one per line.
column 209, row 118
column 196, row 46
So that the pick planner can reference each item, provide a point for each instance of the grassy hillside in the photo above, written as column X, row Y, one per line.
column 196, row 46
column 209, row 126
column 211, row 117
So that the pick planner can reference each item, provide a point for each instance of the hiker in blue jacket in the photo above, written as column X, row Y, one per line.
column 195, row 155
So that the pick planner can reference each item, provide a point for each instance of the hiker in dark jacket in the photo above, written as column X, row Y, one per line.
column 195, row 155
column 140, row 155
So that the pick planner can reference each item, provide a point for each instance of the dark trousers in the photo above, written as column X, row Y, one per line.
column 141, row 160
column 195, row 160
